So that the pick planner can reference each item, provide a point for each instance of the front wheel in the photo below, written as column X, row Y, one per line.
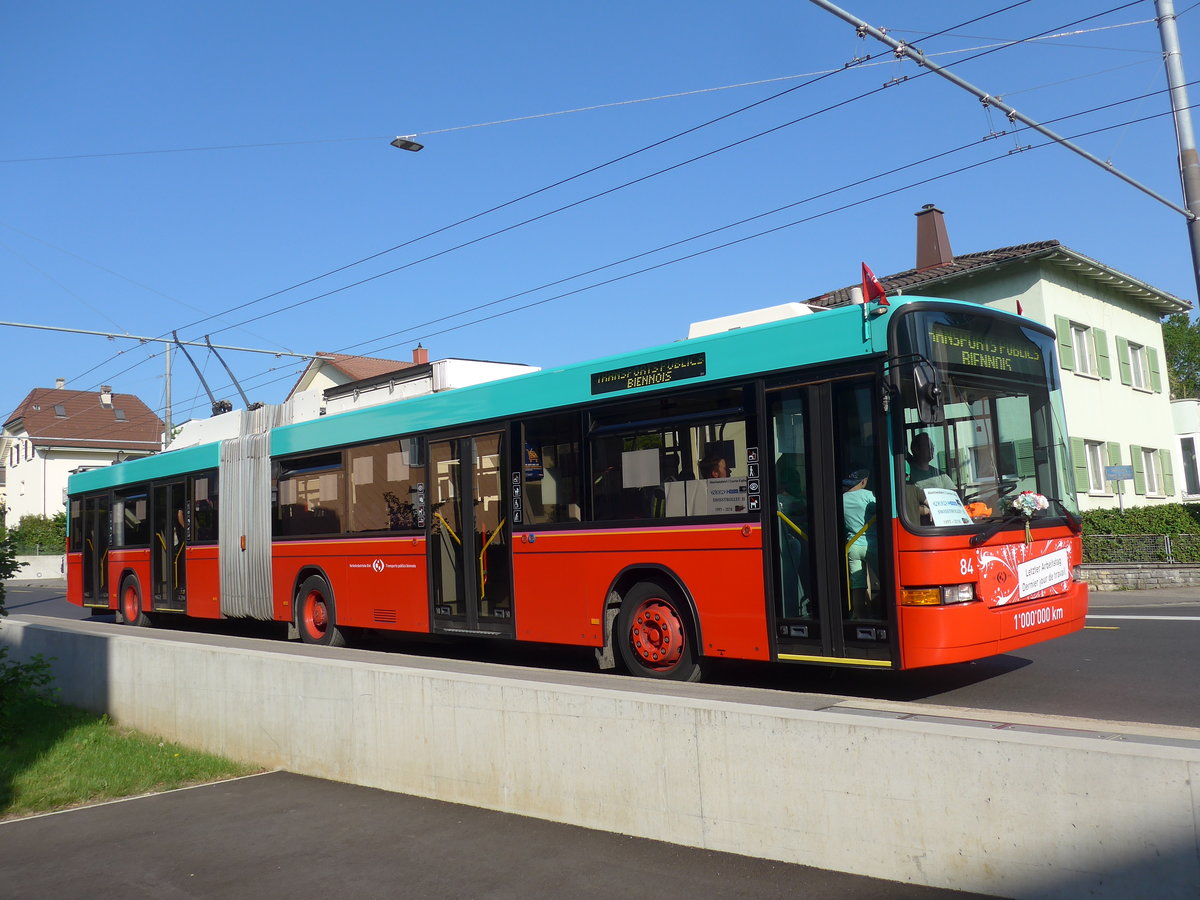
column 131, row 603
column 316, row 614
column 654, row 635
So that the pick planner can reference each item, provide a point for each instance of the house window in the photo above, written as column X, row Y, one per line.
column 1153, row 477
column 60, row 411
column 1138, row 370
column 1191, row 476
column 1095, row 467
column 1085, row 356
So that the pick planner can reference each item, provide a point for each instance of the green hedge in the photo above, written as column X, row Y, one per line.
column 1169, row 518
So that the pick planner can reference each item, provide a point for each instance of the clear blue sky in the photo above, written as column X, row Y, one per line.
column 147, row 242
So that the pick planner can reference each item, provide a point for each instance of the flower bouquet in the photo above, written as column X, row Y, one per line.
column 1027, row 503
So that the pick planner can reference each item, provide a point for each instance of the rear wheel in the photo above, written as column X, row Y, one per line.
column 654, row 635
column 131, row 603
column 316, row 614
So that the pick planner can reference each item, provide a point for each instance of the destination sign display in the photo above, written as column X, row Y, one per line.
column 661, row 372
column 1008, row 353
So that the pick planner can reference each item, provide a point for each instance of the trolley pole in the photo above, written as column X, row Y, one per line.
column 1189, row 160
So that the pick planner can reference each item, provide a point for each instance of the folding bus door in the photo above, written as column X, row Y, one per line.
column 168, row 552
column 470, row 544
column 97, row 534
column 831, row 522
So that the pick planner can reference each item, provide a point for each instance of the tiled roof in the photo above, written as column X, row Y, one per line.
column 56, row 417
column 1053, row 252
column 355, row 368
column 359, row 367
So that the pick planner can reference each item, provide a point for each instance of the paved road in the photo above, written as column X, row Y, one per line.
column 283, row 835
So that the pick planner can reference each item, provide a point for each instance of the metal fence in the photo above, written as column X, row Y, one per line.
column 31, row 549
column 1107, row 549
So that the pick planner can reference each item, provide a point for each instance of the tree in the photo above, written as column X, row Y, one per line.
column 1181, row 340
column 44, row 534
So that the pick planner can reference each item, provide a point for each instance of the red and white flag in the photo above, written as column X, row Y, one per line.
column 871, row 288
column 1020, row 310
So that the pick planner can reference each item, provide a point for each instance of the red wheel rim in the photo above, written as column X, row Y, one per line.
column 316, row 614
column 657, row 634
column 132, row 606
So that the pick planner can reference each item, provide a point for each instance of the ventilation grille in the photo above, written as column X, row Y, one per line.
column 385, row 615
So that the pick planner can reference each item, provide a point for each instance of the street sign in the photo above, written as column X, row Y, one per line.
column 1118, row 473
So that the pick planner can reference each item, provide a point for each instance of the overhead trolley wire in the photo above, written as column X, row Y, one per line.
column 591, row 170
column 497, row 232
column 472, row 218
column 919, row 183
column 534, row 193
column 625, row 156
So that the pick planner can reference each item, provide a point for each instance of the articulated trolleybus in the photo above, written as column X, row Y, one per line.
column 882, row 486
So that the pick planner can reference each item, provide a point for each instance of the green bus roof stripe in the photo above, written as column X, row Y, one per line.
column 784, row 344
column 161, row 465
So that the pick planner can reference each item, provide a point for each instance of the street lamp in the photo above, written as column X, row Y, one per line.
column 406, row 142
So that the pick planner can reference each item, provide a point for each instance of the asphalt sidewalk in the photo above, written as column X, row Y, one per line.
column 285, row 835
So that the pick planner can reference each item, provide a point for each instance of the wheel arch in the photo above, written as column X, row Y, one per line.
column 667, row 579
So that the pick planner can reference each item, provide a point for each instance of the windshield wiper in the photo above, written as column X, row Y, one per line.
column 1072, row 520
column 996, row 527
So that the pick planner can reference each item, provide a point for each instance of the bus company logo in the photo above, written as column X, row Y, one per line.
column 661, row 372
column 377, row 565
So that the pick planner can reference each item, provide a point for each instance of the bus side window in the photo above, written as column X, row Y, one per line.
column 550, row 462
column 204, row 508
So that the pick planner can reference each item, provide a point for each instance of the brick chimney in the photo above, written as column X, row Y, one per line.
column 420, row 356
column 933, row 244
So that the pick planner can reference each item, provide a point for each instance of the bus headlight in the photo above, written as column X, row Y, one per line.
column 958, row 593
column 938, row 596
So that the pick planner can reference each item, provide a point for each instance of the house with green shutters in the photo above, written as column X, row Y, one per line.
column 1110, row 349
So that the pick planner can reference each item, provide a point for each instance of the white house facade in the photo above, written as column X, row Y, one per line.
column 54, row 432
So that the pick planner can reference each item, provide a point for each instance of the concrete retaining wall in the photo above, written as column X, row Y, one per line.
column 40, row 567
column 1004, row 812
column 1140, row 576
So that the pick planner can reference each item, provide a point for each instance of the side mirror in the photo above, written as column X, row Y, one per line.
column 929, row 396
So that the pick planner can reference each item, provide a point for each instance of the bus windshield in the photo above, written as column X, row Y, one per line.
column 1000, row 431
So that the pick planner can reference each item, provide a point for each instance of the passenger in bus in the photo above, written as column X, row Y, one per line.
column 714, row 467
column 862, row 545
column 922, row 475
column 793, row 538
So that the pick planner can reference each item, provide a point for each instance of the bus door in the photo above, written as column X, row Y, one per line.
column 97, row 532
column 831, row 522
column 168, row 551
column 470, row 543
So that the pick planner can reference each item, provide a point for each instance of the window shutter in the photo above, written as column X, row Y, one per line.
column 1155, row 375
column 1168, row 474
column 1139, row 476
column 1114, row 459
column 1101, row 339
column 1066, row 349
column 1123, row 360
column 1024, row 451
column 1079, row 461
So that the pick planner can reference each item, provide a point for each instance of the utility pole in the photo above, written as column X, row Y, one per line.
column 1189, row 161
column 167, row 399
